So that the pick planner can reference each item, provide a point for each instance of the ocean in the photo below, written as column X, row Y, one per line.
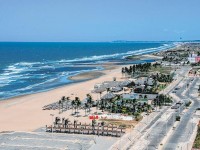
column 30, row 67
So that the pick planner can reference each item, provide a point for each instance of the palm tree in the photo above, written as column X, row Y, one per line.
column 68, row 100
column 77, row 104
column 89, row 101
column 86, row 107
column 66, row 122
column 63, row 98
column 59, row 103
column 73, row 105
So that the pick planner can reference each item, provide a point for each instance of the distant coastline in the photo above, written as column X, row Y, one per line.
column 48, row 75
column 16, row 106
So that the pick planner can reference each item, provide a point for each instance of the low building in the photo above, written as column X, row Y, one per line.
column 139, row 96
column 193, row 58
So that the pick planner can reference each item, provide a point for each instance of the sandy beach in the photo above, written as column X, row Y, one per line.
column 25, row 113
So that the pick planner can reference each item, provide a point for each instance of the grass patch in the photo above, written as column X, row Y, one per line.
column 164, row 70
column 122, row 123
column 161, row 86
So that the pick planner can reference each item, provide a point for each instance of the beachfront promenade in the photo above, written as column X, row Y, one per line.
column 44, row 141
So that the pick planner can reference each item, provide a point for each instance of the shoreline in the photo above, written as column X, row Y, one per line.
column 25, row 113
column 79, row 76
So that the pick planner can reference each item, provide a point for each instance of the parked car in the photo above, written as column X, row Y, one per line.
column 177, row 88
column 175, row 107
column 179, row 103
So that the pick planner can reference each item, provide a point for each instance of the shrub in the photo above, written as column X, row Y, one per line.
column 178, row 118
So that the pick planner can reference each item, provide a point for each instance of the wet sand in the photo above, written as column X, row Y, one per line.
column 86, row 76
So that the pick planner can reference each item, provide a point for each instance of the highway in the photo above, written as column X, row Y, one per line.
column 186, row 127
column 156, row 130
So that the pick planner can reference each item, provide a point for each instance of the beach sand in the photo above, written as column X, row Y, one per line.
column 86, row 76
column 24, row 113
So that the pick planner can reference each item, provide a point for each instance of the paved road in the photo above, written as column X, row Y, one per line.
column 158, row 128
column 185, row 127
column 43, row 141
column 157, row 134
column 56, row 141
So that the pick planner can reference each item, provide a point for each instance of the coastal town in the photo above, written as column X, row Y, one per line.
column 135, row 105
column 99, row 75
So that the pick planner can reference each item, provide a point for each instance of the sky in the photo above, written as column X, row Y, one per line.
column 99, row 20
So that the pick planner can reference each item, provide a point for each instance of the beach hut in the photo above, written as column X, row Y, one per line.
column 125, row 83
column 108, row 96
column 110, row 84
column 116, row 89
column 99, row 90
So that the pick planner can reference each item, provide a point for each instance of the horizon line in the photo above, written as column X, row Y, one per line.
column 115, row 41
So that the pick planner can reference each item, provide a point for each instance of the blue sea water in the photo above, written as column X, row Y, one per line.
column 33, row 67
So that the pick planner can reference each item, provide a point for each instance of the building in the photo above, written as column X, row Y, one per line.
column 193, row 58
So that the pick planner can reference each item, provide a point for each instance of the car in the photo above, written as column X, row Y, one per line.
column 179, row 103
column 177, row 88
column 175, row 107
column 173, row 91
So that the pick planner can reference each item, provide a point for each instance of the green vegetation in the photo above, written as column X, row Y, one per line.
column 163, row 74
column 125, row 106
column 133, row 107
column 197, row 140
column 76, row 103
column 161, row 69
column 176, row 56
column 162, row 100
column 138, row 116
column 161, row 87
column 195, row 64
